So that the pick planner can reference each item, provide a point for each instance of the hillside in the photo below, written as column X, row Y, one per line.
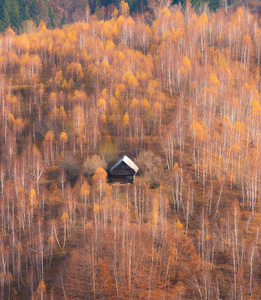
column 180, row 95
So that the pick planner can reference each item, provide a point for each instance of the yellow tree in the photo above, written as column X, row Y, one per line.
column 65, row 221
column 124, row 9
column 199, row 134
column 100, row 182
column 63, row 139
column 84, row 192
column 48, row 141
column 33, row 202
column 38, row 167
column 74, row 71
column 80, row 141
column 62, row 116
column 40, row 293
column 78, row 119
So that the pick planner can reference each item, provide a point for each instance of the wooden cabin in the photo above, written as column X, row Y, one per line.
column 123, row 171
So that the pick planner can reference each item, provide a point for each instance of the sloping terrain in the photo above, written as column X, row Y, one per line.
column 180, row 95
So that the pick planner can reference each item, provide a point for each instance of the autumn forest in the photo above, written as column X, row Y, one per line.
column 179, row 93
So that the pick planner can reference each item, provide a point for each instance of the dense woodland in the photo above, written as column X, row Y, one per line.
column 181, row 97
column 23, row 15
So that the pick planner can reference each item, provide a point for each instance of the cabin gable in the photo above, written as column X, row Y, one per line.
column 123, row 171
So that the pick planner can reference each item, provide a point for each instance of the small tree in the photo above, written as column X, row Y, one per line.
column 92, row 163
column 41, row 291
column 151, row 167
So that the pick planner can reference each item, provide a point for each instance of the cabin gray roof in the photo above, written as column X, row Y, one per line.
column 128, row 162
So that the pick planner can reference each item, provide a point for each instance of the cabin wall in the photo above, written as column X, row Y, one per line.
column 121, row 179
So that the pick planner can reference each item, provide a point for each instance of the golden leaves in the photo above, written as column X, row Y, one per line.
column 165, row 13
column 198, row 130
column 124, row 9
column 49, row 136
column 102, row 103
column 155, row 212
column 63, row 137
column 65, row 217
column 100, row 176
column 11, row 119
column 85, row 189
column 96, row 208
column 33, row 198
column 126, row 120
column 32, row 194
column 51, row 240
column 145, row 104
column 78, row 118
column 179, row 227
column 202, row 21
column 176, row 169
column 74, row 70
column 186, row 63
column 256, row 108
column 239, row 127
column 213, row 79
